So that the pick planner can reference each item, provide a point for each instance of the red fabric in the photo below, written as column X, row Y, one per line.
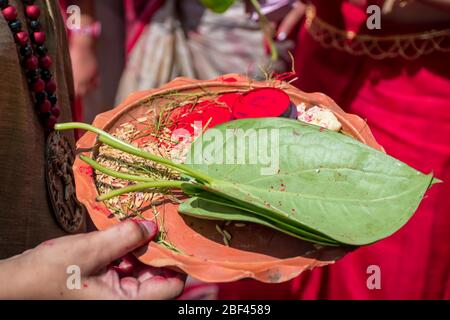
column 407, row 106
column 78, row 115
column 138, row 14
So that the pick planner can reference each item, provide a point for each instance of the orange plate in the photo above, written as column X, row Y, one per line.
column 257, row 252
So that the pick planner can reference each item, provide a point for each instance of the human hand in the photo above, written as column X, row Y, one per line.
column 291, row 20
column 84, row 63
column 41, row 273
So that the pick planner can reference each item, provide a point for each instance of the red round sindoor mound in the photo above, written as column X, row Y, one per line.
column 257, row 252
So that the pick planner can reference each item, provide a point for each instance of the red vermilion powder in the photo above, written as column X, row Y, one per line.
column 257, row 103
column 229, row 99
column 208, row 113
column 262, row 103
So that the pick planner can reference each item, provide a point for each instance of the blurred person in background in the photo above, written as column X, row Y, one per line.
column 398, row 79
column 144, row 44
column 98, row 54
column 169, row 38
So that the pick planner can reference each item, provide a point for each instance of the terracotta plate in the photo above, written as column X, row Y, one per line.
column 256, row 252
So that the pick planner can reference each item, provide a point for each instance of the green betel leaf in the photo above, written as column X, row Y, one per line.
column 204, row 208
column 308, row 182
column 313, row 179
column 218, row 6
column 208, row 205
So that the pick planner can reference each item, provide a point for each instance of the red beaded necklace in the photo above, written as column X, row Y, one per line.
column 35, row 60
column 59, row 155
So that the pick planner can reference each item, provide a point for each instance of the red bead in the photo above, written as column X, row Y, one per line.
column 45, row 106
column 39, row 85
column 39, row 37
column 33, row 12
column 10, row 13
column 45, row 62
column 32, row 63
column 22, row 37
column 56, row 112
column 51, row 121
column 51, row 87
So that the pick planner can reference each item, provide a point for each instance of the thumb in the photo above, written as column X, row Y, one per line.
column 111, row 244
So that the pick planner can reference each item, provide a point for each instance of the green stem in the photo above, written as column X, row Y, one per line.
column 115, row 174
column 265, row 26
column 141, row 187
column 113, row 142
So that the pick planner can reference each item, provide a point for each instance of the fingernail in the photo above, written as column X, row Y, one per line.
column 281, row 36
column 149, row 227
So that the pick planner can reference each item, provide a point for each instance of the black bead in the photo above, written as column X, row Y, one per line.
column 46, row 75
column 26, row 51
column 40, row 97
column 15, row 26
column 33, row 75
column 44, row 115
column 41, row 50
column 53, row 99
column 35, row 25
column 3, row 4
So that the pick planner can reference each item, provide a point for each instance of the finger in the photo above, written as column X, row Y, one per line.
column 148, row 272
column 290, row 21
column 129, row 287
column 152, row 284
column 128, row 265
column 161, row 288
column 109, row 245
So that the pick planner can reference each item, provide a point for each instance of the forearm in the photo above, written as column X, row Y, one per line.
column 440, row 4
column 88, row 18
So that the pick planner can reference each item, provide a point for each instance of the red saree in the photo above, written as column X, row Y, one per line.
column 138, row 14
column 407, row 105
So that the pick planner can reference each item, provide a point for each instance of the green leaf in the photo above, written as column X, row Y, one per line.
column 327, row 182
column 218, row 6
column 327, row 187
column 212, row 210
column 203, row 199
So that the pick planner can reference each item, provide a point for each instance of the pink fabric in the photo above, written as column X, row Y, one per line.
column 407, row 106
column 138, row 14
